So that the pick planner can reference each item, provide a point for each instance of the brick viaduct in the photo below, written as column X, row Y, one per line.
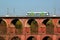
column 26, row 33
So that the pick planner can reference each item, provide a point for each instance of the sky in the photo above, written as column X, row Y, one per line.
column 23, row 6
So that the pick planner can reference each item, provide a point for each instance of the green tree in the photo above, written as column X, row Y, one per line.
column 34, row 27
column 3, row 23
column 49, row 22
column 18, row 26
column 3, row 27
column 49, row 27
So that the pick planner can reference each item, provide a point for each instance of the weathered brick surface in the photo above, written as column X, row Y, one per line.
column 26, row 30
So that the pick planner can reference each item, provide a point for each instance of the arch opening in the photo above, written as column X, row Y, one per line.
column 3, row 27
column 31, row 38
column 18, row 25
column 47, row 38
column 14, row 21
column 45, row 21
column 33, row 26
column 16, row 38
column 49, row 26
column 59, row 22
column 58, row 38
column 30, row 21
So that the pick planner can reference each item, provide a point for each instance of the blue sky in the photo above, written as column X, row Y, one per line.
column 24, row 6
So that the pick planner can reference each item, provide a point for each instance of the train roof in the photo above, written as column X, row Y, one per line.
column 37, row 12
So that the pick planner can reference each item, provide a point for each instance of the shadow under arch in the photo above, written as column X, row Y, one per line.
column 47, row 38
column 49, row 26
column 3, row 27
column 18, row 25
column 31, row 38
column 58, row 38
column 1, row 38
column 59, row 21
column 45, row 21
column 15, row 38
column 30, row 21
column 33, row 26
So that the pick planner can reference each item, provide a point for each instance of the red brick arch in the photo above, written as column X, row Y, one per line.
column 16, row 30
column 47, row 38
column 3, row 28
column 31, row 38
column 18, row 19
column 15, row 38
column 5, row 21
column 27, row 25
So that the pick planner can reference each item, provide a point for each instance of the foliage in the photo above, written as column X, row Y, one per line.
column 3, row 23
column 18, row 25
column 49, row 23
column 3, row 28
column 50, row 27
column 34, row 27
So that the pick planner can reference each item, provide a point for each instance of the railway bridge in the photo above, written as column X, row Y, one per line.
column 29, row 28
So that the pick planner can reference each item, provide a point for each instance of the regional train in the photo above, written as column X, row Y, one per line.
column 37, row 14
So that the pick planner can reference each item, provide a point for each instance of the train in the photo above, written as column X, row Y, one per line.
column 37, row 14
